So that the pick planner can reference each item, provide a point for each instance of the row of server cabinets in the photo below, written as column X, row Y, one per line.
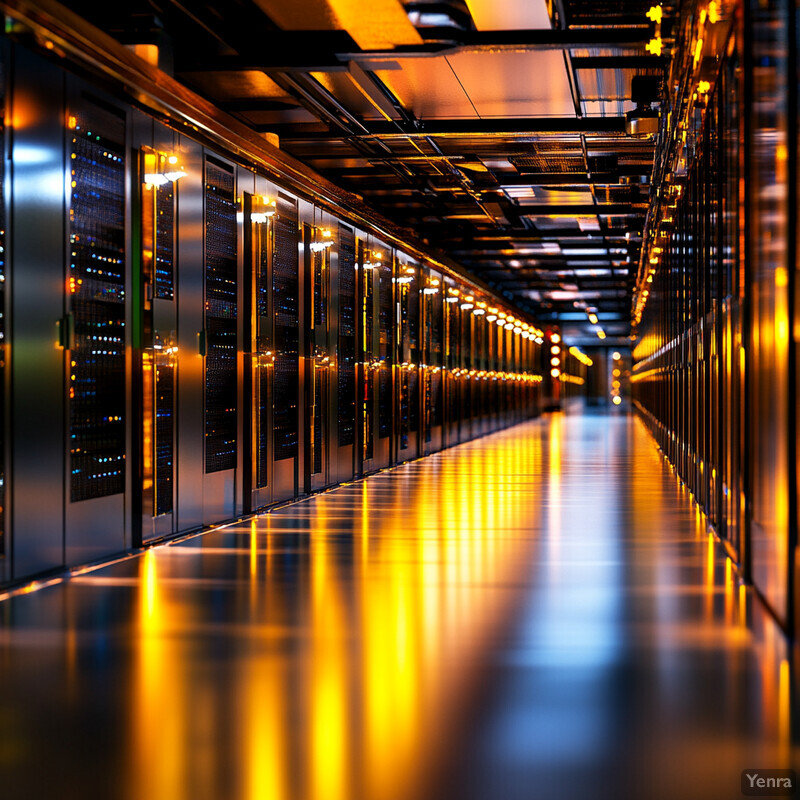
column 184, row 341
column 715, row 370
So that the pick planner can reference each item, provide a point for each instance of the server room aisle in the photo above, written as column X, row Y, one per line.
column 539, row 613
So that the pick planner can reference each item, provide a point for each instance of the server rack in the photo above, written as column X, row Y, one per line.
column 715, row 371
column 232, row 343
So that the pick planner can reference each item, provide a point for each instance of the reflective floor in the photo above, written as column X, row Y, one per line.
column 537, row 614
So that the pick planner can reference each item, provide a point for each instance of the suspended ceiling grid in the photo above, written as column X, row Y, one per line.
column 493, row 129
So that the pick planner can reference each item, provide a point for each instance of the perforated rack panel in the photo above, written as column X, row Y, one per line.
column 385, row 332
column 262, row 344
column 97, row 303
column 367, row 391
column 165, row 437
column 285, row 289
column 347, row 337
column 436, row 398
column 220, row 308
column 165, row 241
column 320, row 312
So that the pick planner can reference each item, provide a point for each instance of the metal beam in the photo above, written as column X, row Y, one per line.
column 322, row 51
column 609, row 209
column 444, row 41
column 247, row 105
column 513, row 126
column 619, row 62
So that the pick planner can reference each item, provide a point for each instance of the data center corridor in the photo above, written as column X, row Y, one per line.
column 538, row 613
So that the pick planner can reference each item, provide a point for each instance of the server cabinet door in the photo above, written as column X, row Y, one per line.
column 35, row 534
column 155, row 337
column 383, row 364
column 259, row 213
column 5, row 562
column 190, row 298
column 286, row 321
column 318, row 242
column 95, row 330
column 367, row 359
column 432, row 320
column 343, row 278
column 219, row 341
column 452, row 365
column 408, row 401
column 465, row 327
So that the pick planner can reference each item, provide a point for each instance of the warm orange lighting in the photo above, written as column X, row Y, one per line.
column 555, row 338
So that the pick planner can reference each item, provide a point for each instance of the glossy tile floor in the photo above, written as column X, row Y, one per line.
column 537, row 614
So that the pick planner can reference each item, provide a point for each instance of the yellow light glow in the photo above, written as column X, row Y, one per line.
column 616, row 400
column 616, row 356
column 593, row 319
column 601, row 334
column 555, row 338
column 698, row 51
column 655, row 13
column 713, row 12
column 654, row 46
column 555, row 372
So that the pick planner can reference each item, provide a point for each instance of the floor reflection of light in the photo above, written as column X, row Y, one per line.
column 264, row 710
column 160, row 716
column 329, row 731
column 710, row 586
column 730, row 592
column 784, row 714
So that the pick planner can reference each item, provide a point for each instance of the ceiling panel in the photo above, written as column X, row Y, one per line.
column 515, row 84
column 509, row 15
column 429, row 88
column 376, row 25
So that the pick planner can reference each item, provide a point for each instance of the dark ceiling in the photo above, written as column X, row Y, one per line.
column 494, row 129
